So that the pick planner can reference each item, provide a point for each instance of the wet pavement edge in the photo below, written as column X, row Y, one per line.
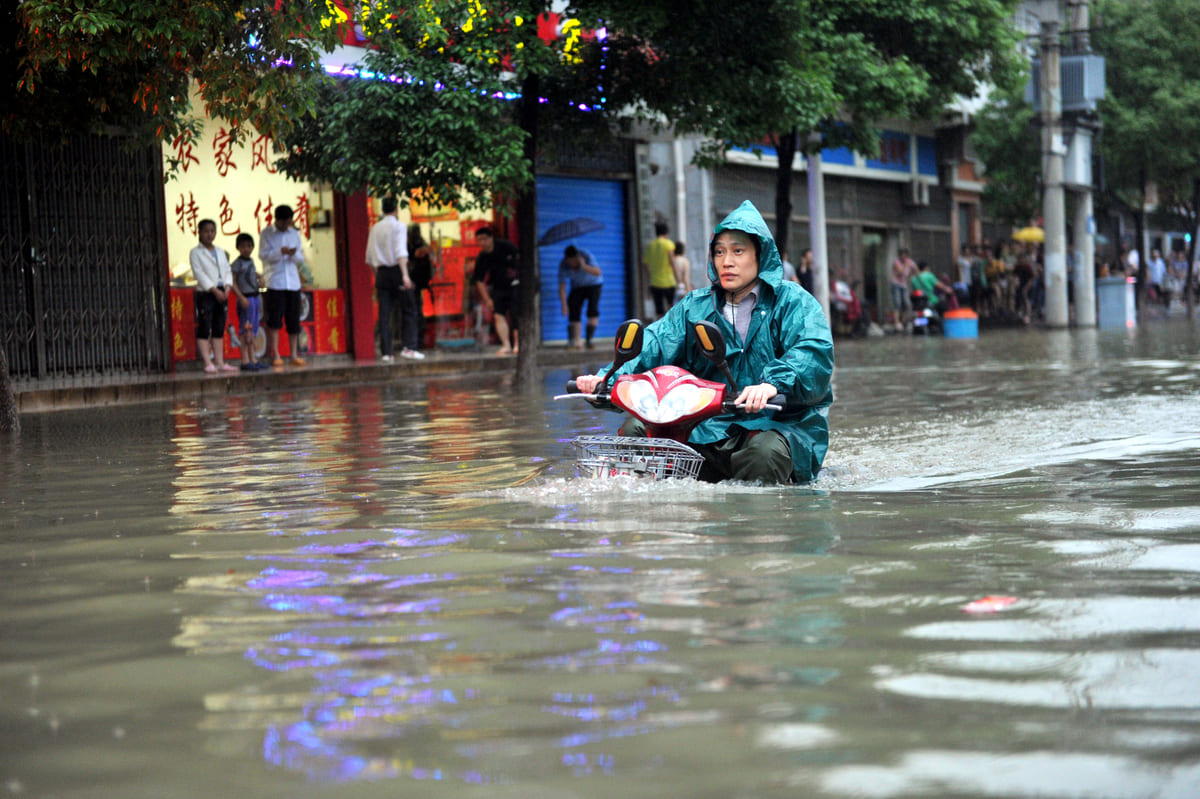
column 190, row 383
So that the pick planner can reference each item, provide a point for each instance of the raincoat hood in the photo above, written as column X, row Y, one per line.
column 747, row 219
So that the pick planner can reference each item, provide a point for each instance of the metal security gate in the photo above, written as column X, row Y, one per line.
column 83, row 275
column 602, row 201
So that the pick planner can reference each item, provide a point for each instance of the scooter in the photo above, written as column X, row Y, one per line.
column 925, row 319
column 668, row 400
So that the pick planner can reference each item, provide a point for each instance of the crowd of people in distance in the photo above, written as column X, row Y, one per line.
column 1005, row 283
column 1001, row 283
column 1166, row 280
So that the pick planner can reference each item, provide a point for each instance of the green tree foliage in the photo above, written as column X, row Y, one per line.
column 711, row 67
column 87, row 67
column 1151, row 114
column 434, row 105
column 1006, row 140
column 784, row 70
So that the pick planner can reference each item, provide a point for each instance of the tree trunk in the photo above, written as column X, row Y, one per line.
column 529, row 318
column 1189, row 298
column 785, row 148
column 10, row 422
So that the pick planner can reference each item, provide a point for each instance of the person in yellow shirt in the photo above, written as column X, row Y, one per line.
column 659, row 261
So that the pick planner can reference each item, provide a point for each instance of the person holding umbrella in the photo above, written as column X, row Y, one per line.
column 579, row 271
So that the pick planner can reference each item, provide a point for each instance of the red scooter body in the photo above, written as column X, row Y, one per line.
column 668, row 400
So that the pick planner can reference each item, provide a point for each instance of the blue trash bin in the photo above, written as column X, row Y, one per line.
column 1116, row 305
column 960, row 323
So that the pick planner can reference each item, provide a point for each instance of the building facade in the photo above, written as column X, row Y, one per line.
column 922, row 192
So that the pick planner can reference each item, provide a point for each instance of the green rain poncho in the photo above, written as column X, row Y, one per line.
column 787, row 345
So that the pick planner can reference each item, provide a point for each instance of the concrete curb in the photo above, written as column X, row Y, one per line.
column 321, row 371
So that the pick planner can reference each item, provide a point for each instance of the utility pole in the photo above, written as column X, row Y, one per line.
column 1083, row 227
column 816, row 228
column 1057, row 313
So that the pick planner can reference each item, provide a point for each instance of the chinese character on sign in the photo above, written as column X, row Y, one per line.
column 179, row 349
column 182, row 145
column 260, row 154
column 223, row 151
column 227, row 217
column 331, row 308
column 301, row 217
column 176, row 309
column 264, row 215
column 186, row 214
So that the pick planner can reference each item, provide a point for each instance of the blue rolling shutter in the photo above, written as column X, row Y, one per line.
column 563, row 198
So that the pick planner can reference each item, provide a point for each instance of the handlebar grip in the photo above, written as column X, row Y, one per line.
column 790, row 404
column 572, row 388
column 780, row 403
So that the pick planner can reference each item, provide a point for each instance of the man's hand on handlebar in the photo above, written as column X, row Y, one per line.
column 754, row 398
column 588, row 384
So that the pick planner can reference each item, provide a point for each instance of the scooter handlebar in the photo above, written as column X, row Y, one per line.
column 601, row 401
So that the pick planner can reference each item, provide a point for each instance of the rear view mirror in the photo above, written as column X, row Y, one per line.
column 712, row 346
column 628, row 345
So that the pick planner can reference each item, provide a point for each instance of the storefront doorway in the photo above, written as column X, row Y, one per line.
column 874, row 270
column 604, row 234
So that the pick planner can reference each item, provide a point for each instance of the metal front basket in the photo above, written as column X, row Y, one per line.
column 615, row 456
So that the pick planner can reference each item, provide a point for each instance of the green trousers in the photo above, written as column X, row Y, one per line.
column 751, row 456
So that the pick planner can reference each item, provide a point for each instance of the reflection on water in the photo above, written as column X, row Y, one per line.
column 404, row 589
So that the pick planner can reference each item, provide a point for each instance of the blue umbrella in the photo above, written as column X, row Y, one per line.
column 569, row 230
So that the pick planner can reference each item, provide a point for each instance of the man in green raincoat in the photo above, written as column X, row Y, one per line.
column 778, row 342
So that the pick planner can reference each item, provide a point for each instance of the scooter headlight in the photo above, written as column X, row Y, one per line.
column 641, row 399
column 684, row 401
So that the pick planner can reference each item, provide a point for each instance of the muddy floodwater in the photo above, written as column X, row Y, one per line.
column 992, row 591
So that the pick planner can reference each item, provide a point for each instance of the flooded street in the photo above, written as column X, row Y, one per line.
column 405, row 591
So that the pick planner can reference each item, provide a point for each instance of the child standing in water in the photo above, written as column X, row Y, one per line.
column 246, row 285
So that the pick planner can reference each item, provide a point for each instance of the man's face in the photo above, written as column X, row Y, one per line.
column 735, row 260
column 484, row 241
column 283, row 223
column 207, row 234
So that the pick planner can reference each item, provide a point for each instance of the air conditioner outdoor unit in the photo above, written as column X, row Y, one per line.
column 916, row 193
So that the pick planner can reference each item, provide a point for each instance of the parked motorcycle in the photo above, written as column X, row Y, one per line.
column 670, row 401
column 925, row 319
column 849, row 318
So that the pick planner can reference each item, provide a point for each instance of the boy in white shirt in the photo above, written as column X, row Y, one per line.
column 282, row 254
